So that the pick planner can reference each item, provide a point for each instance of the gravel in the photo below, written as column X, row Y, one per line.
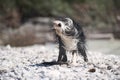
column 25, row 63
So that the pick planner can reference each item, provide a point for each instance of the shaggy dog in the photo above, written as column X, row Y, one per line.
column 71, row 39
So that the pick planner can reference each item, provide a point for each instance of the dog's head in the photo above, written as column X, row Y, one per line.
column 64, row 26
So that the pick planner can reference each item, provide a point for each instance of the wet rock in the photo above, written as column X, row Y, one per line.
column 92, row 70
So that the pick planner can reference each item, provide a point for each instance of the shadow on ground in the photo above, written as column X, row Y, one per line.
column 50, row 63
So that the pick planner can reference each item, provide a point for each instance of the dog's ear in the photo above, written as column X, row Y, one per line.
column 70, row 21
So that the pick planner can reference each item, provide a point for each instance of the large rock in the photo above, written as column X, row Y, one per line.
column 35, row 31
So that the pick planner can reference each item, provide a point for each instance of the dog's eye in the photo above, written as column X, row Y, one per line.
column 59, row 25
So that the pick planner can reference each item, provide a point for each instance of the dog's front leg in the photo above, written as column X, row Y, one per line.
column 62, row 57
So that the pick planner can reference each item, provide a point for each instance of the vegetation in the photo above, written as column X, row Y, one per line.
column 93, row 13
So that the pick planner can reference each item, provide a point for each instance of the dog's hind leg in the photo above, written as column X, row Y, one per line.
column 82, row 51
column 74, row 57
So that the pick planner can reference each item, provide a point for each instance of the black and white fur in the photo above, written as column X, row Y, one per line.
column 71, row 39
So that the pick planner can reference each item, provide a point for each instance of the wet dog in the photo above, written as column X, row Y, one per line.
column 71, row 39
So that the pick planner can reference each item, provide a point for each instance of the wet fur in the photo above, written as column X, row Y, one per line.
column 79, row 36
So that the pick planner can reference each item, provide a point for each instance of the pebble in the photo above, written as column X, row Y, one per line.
column 24, row 63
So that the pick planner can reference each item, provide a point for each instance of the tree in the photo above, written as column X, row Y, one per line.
column 117, row 18
column 19, row 10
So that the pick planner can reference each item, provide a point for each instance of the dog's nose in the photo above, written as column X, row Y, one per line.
column 57, row 23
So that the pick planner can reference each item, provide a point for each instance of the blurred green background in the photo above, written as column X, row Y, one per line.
column 27, row 22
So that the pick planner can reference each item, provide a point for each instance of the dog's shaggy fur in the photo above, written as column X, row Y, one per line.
column 71, row 38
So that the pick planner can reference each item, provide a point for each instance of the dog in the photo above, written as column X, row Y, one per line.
column 71, row 39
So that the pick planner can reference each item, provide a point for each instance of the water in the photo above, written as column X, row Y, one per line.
column 104, row 46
